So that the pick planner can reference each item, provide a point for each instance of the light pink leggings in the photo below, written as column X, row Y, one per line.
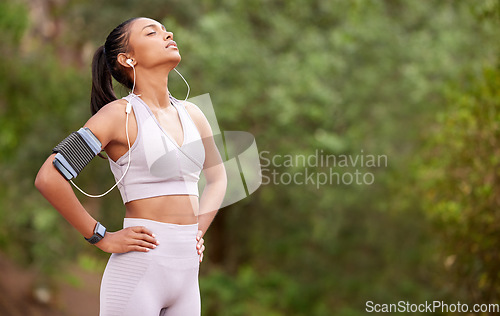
column 163, row 281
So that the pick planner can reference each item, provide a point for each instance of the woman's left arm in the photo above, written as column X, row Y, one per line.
column 215, row 175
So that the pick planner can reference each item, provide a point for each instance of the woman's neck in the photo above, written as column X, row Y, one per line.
column 153, row 88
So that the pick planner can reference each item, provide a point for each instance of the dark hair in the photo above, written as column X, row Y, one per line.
column 105, row 64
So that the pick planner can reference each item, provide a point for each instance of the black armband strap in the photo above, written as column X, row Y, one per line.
column 75, row 152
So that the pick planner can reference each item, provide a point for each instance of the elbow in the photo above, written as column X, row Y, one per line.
column 219, row 177
column 217, row 182
column 45, row 176
column 223, row 178
column 48, row 180
column 223, row 181
column 220, row 182
column 41, row 180
column 44, row 179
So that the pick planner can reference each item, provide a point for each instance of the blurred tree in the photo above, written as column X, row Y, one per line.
column 459, row 179
column 463, row 185
column 344, row 77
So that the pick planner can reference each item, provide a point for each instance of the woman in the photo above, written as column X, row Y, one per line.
column 154, row 266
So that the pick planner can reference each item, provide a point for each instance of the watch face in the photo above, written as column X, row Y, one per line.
column 100, row 230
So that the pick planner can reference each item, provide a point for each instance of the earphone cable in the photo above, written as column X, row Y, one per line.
column 127, row 110
column 128, row 166
column 189, row 89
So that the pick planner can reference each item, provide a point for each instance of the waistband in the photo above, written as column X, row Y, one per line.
column 163, row 230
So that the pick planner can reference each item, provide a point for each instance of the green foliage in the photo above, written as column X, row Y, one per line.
column 37, row 107
column 343, row 77
column 463, row 184
column 13, row 22
column 252, row 293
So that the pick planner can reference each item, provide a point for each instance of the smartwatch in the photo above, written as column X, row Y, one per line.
column 99, row 232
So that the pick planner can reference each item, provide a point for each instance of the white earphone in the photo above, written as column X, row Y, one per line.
column 130, row 62
column 128, row 109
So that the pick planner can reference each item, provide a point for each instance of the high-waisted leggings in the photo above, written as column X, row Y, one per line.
column 163, row 281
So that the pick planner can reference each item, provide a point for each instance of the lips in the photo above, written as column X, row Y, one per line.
column 171, row 43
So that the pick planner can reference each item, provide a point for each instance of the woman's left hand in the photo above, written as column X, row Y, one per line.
column 200, row 246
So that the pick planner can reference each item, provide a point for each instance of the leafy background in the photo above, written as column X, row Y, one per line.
column 414, row 80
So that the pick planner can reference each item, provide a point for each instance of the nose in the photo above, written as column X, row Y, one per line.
column 169, row 36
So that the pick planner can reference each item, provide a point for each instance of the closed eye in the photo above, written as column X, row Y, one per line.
column 151, row 33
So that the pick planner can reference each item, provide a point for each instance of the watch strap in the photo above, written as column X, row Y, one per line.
column 99, row 232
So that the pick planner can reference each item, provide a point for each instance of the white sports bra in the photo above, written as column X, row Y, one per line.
column 159, row 166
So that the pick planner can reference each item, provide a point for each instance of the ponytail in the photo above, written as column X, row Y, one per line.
column 105, row 66
column 102, row 84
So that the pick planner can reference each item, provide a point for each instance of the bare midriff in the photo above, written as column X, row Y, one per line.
column 174, row 209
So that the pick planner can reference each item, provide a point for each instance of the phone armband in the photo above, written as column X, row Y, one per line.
column 75, row 152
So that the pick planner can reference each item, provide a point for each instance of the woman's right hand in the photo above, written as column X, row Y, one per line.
column 135, row 238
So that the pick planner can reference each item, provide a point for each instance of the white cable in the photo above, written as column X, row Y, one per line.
column 189, row 89
column 179, row 147
column 128, row 109
column 128, row 165
column 133, row 85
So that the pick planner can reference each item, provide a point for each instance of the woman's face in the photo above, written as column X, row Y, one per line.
column 151, row 45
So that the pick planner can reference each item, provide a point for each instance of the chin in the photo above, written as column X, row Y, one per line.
column 176, row 61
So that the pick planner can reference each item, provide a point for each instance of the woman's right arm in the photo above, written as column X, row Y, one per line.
column 57, row 190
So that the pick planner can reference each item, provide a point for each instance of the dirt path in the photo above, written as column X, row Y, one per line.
column 17, row 299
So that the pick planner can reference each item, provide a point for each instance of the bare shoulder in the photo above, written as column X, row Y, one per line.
column 106, row 121
column 198, row 117
column 112, row 109
column 193, row 110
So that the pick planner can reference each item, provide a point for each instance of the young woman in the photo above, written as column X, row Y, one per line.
column 156, row 156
